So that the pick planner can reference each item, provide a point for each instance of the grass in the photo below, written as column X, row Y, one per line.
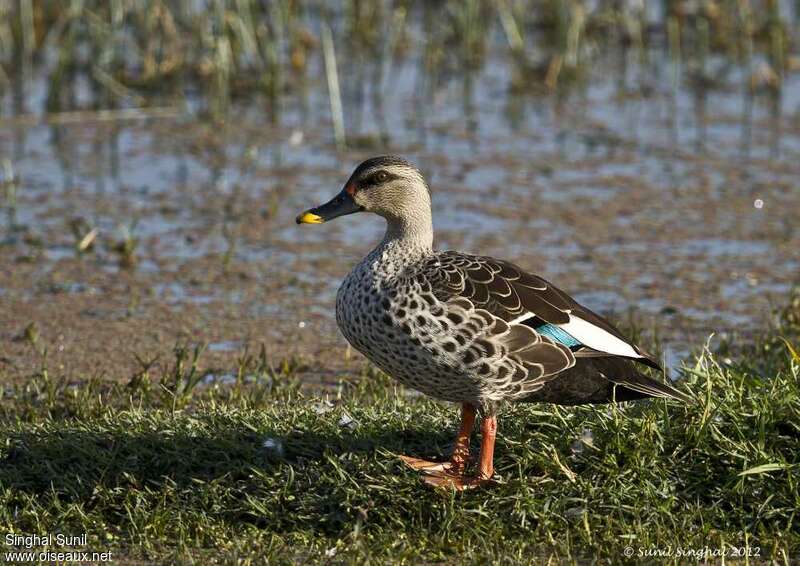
column 170, row 468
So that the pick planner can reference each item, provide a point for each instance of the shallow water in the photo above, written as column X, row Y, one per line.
column 646, row 199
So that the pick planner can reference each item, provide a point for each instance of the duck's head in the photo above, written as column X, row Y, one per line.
column 387, row 185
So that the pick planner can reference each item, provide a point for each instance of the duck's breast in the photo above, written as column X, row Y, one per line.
column 389, row 321
column 356, row 306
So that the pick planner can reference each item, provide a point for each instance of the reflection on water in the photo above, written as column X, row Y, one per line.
column 629, row 179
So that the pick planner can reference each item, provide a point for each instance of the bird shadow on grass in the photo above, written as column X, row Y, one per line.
column 75, row 464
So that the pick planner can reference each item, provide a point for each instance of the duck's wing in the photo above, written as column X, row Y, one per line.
column 472, row 328
column 524, row 300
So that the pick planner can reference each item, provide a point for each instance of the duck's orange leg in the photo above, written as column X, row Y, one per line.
column 485, row 467
column 459, row 458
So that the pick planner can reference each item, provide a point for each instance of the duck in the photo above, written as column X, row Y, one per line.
column 472, row 330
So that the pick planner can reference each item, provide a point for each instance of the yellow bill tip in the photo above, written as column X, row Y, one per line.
column 308, row 218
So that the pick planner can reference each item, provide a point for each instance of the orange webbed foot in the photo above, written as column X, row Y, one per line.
column 428, row 466
column 454, row 478
column 457, row 482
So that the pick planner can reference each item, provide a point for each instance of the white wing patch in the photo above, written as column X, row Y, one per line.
column 522, row 318
column 590, row 335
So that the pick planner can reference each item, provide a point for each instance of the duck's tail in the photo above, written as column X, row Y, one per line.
column 632, row 384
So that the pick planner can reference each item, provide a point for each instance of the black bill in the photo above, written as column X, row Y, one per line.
column 340, row 205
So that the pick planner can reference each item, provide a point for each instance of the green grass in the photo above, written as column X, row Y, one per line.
column 170, row 470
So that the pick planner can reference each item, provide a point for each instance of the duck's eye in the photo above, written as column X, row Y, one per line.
column 381, row 176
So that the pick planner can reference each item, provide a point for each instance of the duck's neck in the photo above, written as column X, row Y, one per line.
column 407, row 239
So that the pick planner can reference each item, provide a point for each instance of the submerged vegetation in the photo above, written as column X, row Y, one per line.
column 184, row 467
column 103, row 55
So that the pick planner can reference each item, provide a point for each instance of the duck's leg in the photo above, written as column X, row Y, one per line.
column 460, row 456
column 485, row 467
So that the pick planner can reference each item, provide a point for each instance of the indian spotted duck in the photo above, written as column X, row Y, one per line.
column 469, row 329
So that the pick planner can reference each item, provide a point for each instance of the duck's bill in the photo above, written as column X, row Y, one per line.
column 340, row 205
